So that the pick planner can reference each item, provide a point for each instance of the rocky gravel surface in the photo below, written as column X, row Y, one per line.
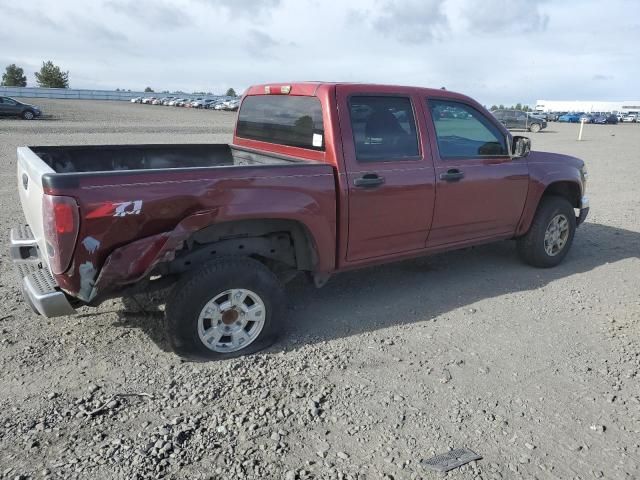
column 535, row 370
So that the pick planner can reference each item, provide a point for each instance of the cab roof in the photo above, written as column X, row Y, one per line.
column 311, row 88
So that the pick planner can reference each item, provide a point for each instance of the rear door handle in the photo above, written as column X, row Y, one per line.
column 369, row 180
column 452, row 175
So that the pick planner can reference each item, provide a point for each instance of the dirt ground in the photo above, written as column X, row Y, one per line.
column 535, row 370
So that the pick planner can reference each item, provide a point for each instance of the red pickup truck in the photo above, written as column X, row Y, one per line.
column 320, row 178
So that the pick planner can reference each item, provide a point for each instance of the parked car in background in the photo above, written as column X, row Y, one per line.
column 587, row 118
column 148, row 100
column 136, row 100
column 202, row 103
column 541, row 115
column 10, row 107
column 553, row 116
column 630, row 118
column 232, row 105
column 172, row 103
column 604, row 119
column 191, row 102
column 570, row 117
column 517, row 119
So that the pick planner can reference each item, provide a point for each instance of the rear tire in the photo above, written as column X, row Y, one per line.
column 551, row 233
column 230, row 307
column 28, row 115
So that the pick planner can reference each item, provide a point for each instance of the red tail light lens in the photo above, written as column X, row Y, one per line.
column 61, row 224
column 63, row 217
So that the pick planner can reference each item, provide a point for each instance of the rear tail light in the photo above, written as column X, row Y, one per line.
column 61, row 225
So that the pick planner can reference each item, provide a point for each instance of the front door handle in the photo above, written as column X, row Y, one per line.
column 452, row 175
column 369, row 180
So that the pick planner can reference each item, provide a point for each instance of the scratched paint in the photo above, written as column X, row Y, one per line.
column 87, row 278
column 91, row 244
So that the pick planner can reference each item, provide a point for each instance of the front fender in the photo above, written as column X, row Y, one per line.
column 545, row 169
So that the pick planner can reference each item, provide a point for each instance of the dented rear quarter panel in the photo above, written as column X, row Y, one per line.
column 131, row 221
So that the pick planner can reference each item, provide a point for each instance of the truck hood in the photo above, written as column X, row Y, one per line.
column 555, row 158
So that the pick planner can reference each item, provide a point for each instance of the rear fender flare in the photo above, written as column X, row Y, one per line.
column 135, row 261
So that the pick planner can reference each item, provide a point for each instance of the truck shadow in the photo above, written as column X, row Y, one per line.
column 420, row 289
column 413, row 290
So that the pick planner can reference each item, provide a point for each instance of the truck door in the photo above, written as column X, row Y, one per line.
column 522, row 120
column 480, row 189
column 389, row 171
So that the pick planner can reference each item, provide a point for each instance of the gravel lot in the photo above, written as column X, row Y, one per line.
column 536, row 370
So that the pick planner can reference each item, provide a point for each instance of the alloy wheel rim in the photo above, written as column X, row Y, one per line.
column 556, row 235
column 232, row 320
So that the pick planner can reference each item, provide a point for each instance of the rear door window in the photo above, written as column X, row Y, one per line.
column 295, row 121
column 465, row 132
column 384, row 128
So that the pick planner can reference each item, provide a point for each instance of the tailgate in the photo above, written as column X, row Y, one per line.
column 31, row 168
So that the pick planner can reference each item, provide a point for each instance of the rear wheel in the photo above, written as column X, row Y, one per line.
column 28, row 115
column 534, row 128
column 229, row 307
column 551, row 234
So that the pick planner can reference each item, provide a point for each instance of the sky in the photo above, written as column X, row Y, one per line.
column 497, row 51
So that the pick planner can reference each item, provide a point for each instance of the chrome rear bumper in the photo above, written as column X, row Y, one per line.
column 39, row 288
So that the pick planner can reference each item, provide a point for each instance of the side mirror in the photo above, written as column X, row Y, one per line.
column 520, row 147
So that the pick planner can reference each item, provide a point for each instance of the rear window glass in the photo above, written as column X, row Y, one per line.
column 285, row 120
column 384, row 128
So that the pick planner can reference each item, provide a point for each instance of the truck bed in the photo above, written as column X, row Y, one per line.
column 111, row 158
column 128, row 193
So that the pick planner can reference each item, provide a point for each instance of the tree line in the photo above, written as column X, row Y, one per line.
column 49, row 76
column 52, row 76
column 517, row 106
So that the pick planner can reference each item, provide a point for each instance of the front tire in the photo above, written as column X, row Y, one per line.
column 228, row 308
column 28, row 115
column 551, row 233
column 534, row 128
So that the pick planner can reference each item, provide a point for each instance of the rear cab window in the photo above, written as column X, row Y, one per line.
column 384, row 128
column 294, row 121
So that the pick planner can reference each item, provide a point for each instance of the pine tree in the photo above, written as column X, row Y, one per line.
column 51, row 76
column 14, row 77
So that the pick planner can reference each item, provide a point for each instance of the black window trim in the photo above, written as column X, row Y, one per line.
column 413, row 158
column 493, row 121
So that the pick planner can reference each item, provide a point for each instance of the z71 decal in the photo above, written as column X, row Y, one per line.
column 117, row 209
column 128, row 208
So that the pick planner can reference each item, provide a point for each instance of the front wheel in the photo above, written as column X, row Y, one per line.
column 551, row 233
column 534, row 128
column 28, row 115
column 227, row 308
